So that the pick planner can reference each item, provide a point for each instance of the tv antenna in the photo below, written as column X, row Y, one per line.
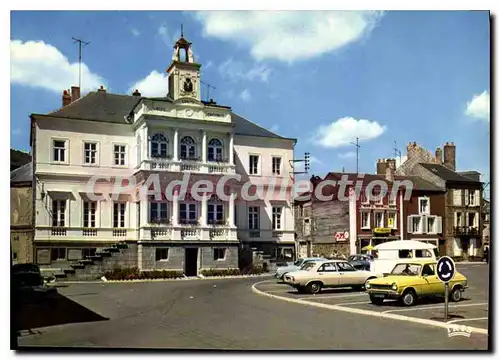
column 208, row 88
column 397, row 153
column 85, row 43
column 357, row 153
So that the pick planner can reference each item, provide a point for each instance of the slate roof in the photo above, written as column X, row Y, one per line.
column 446, row 174
column 18, row 159
column 107, row 107
column 22, row 174
column 420, row 184
column 473, row 175
column 367, row 178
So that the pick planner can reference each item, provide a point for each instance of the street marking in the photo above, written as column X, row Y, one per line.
column 473, row 319
column 355, row 303
column 333, row 296
column 279, row 291
column 434, row 307
column 364, row 312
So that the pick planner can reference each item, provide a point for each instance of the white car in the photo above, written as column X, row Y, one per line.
column 316, row 275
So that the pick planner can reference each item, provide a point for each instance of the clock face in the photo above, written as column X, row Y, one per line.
column 188, row 85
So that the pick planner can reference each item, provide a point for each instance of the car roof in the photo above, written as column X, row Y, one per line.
column 416, row 261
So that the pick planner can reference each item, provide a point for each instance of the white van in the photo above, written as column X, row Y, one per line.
column 390, row 253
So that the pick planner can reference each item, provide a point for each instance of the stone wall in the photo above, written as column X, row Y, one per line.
column 22, row 246
column 175, row 259
column 230, row 260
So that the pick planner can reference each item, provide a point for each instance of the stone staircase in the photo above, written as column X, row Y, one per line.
column 93, row 267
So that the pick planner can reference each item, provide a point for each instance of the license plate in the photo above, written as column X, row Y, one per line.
column 379, row 295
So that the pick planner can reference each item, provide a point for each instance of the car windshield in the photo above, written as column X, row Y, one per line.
column 307, row 266
column 407, row 269
column 298, row 262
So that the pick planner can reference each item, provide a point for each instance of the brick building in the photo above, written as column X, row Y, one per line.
column 461, row 221
column 336, row 226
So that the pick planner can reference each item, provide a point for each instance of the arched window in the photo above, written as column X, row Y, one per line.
column 159, row 144
column 215, row 150
column 188, row 148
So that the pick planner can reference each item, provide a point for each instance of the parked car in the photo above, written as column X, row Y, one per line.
column 281, row 271
column 361, row 261
column 316, row 275
column 412, row 280
column 28, row 286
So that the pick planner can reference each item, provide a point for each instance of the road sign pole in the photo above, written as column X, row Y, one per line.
column 446, row 290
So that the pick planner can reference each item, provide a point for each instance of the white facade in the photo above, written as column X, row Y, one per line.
column 162, row 136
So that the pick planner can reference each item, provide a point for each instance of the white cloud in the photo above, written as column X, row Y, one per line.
column 314, row 160
column 245, row 95
column 347, row 155
column 37, row 64
column 275, row 128
column 479, row 106
column 207, row 65
column 399, row 162
column 155, row 84
column 135, row 32
column 236, row 70
column 167, row 37
column 288, row 35
column 345, row 130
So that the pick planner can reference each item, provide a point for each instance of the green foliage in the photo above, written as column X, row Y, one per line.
column 220, row 272
column 135, row 274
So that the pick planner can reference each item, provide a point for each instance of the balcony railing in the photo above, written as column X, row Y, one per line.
column 466, row 230
column 119, row 232
column 58, row 231
column 187, row 234
column 162, row 164
column 190, row 167
column 254, row 233
column 161, row 232
column 89, row 232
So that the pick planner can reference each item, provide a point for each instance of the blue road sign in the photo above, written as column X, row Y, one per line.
column 445, row 269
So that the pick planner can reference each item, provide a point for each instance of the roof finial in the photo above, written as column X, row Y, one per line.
column 182, row 31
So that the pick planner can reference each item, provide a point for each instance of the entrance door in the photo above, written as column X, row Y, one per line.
column 191, row 262
column 465, row 243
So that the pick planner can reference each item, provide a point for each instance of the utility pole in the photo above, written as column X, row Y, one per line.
column 208, row 89
column 357, row 153
column 80, row 42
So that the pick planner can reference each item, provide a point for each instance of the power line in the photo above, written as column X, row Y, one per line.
column 208, row 88
column 357, row 153
column 80, row 42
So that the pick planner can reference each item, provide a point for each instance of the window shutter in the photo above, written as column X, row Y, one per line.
column 477, row 198
column 457, row 197
column 467, row 197
column 476, row 218
column 423, row 222
column 439, row 225
column 409, row 224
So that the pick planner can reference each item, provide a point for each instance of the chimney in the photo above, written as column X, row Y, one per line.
column 66, row 98
column 390, row 169
column 411, row 149
column 136, row 93
column 75, row 93
column 450, row 156
column 381, row 166
column 439, row 155
column 101, row 89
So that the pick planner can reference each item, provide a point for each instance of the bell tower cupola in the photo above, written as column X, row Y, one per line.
column 183, row 72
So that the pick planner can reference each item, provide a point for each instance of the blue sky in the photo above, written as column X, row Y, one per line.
column 323, row 78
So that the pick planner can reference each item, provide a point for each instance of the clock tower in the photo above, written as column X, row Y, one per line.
column 183, row 73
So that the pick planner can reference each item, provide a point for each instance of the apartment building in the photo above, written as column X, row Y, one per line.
column 461, row 210
column 133, row 137
column 342, row 226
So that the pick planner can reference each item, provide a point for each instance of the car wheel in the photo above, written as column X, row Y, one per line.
column 409, row 298
column 282, row 278
column 376, row 300
column 456, row 294
column 314, row 287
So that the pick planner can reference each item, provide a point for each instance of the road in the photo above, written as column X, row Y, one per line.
column 227, row 314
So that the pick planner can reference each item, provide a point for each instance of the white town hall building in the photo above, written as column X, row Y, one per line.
column 110, row 135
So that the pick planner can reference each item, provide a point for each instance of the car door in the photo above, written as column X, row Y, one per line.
column 431, row 284
column 348, row 275
column 328, row 274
